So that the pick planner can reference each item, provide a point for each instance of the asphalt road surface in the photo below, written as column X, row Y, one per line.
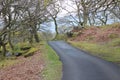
column 79, row 65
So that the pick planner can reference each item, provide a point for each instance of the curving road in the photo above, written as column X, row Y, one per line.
column 78, row 65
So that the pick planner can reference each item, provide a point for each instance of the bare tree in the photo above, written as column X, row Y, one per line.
column 53, row 11
column 21, row 15
column 90, row 10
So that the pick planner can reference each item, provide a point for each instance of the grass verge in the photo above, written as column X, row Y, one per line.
column 53, row 67
column 105, row 51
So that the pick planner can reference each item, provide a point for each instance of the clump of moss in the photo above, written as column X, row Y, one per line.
column 30, row 52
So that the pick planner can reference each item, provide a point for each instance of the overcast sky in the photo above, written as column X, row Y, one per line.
column 68, row 6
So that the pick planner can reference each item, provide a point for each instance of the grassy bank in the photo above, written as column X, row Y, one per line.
column 53, row 67
column 109, row 51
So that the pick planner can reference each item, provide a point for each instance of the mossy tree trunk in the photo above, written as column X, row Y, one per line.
column 4, row 50
column 9, row 41
column 36, row 37
column 3, row 47
column 56, row 27
column 35, row 34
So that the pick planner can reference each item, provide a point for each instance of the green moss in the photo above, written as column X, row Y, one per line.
column 30, row 52
column 23, row 45
column 18, row 48
column 7, row 62
column 53, row 66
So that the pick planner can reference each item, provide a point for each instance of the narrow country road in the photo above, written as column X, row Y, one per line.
column 78, row 65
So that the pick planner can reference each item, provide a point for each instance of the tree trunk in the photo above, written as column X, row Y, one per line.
column 85, row 18
column 30, row 38
column 4, row 49
column 3, row 45
column 9, row 41
column 35, row 34
column 36, row 37
column 85, row 13
column 56, row 27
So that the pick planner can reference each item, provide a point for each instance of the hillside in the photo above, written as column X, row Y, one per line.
column 103, row 41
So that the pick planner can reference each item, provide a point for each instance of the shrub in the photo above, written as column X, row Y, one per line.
column 61, row 37
column 69, row 34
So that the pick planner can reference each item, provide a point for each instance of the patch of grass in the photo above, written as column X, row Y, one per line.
column 53, row 67
column 106, row 52
column 112, row 36
column 114, row 42
column 7, row 62
column 115, row 25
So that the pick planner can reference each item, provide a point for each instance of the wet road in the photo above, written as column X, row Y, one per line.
column 78, row 65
